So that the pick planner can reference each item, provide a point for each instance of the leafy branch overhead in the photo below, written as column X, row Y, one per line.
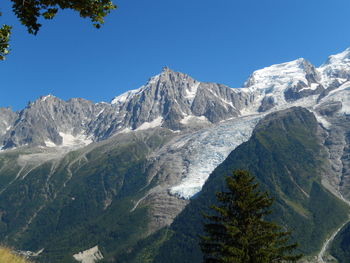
column 29, row 12
column 5, row 32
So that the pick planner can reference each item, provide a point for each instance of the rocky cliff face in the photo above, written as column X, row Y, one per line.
column 172, row 100
column 288, row 158
column 7, row 118
column 150, row 150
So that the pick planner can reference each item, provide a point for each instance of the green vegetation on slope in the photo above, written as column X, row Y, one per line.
column 146, row 249
column 287, row 159
column 84, row 200
column 340, row 247
column 237, row 229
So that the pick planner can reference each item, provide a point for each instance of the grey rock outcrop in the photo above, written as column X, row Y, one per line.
column 196, row 124
column 337, row 66
column 48, row 119
column 172, row 96
column 302, row 89
column 166, row 100
column 172, row 100
column 7, row 119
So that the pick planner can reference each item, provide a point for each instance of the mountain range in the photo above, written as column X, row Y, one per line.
column 125, row 181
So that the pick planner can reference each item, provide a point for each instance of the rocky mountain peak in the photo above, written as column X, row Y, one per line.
column 47, row 97
column 172, row 100
column 7, row 118
column 336, row 68
column 166, row 69
column 282, row 83
column 43, row 100
column 342, row 57
column 281, row 75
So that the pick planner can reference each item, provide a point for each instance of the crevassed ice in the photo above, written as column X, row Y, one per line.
column 209, row 150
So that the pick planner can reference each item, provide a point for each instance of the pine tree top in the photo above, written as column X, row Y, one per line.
column 237, row 230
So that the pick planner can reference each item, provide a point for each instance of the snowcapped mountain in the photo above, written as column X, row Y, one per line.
column 173, row 131
column 284, row 83
column 170, row 99
column 336, row 67
column 7, row 118
column 179, row 103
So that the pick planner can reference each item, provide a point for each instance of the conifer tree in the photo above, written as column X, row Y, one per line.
column 238, row 231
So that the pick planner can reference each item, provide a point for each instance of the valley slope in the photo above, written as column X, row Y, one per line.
column 76, row 174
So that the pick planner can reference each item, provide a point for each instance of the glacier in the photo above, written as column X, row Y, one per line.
column 208, row 149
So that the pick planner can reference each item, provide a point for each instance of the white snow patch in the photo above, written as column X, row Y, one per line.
column 320, row 119
column 222, row 99
column 125, row 96
column 6, row 129
column 190, row 118
column 91, row 255
column 44, row 98
column 335, row 64
column 101, row 111
column 125, row 130
column 313, row 86
column 341, row 94
column 153, row 80
column 275, row 75
column 28, row 253
column 209, row 149
column 192, row 92
column 69, row 140
column 147, row 125
column 275, row 80
column 131, row 93
column 49, row 143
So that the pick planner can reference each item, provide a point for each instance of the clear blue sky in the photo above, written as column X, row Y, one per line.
column 220, row 41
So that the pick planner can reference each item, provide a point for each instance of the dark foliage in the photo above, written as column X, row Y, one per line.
column 29, row 12
column 286, row 158
column 238, row 231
